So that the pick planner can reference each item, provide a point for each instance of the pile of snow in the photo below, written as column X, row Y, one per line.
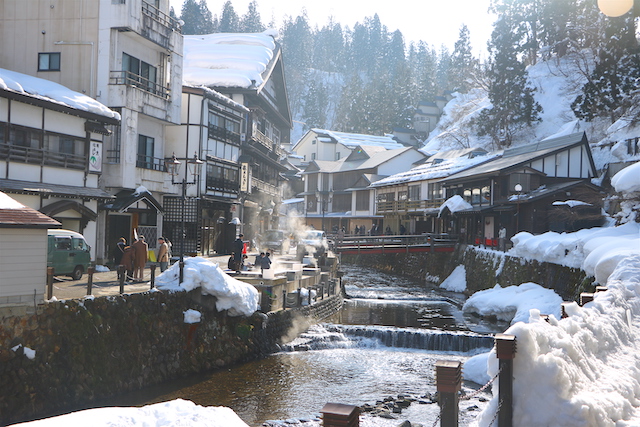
column 227, row 59
column 512, row 304
column 454, row 204
column 173, row 413
column 52, row 92
column 239, row 298
column 192, row 316
column 457, row 280
column 583, row 369
column 627, row 180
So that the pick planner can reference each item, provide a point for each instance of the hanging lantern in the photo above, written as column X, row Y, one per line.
column 615, row 8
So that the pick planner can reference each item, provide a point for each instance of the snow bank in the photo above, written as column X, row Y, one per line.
column 457, row 280
column 597, row 250
column 627, row 180
column 512, row 304
column 241, row 299
column 173, row 413
column 584, row 370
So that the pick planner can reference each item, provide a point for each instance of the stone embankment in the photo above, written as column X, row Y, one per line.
column 484, row 269
column 71, row 353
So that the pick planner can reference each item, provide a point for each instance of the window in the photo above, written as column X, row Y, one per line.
column 145, row 152
column 49, row 61
column 414, row 192
column 137, row 71
column 313, row 156
column 362, row 200
column 338, row 155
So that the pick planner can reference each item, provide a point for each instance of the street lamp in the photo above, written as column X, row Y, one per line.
column 615, row 8
column 518, row 188
column 194, row 167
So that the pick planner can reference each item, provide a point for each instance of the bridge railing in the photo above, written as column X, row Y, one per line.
column 395, row 241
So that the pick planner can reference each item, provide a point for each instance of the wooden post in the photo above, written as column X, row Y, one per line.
column 448, row 384
column 50, row 272
column 340, row 415
column 152, row 267
column 505, row 350
column 563, row 307
column 123, row 275
column 90, row 271
column 299, row 296
column 284, row 299
column 585, row 297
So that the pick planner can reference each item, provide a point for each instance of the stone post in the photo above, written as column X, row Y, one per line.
column 152, row 267
column 90, row 271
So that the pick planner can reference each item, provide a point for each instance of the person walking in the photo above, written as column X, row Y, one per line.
column 238, row 247
column 141, row 249
column 117, row 254
column 163, row 254
column 127, row 262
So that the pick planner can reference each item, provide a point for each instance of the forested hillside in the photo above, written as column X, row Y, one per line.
column 366, row 79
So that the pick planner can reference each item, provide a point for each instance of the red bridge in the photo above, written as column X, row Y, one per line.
column 395, row 244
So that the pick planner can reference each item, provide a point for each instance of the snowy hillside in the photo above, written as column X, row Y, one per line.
column 557, row 83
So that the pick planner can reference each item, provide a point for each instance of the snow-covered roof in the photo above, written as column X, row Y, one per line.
column 352, row 140
column 228, row 59
column 429, row 171
column 376, row 159
column 46, row 90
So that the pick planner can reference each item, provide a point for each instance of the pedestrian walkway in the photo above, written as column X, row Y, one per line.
column 106, row 283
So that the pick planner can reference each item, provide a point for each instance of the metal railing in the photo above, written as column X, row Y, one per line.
column 217, row 132
column 394, row 242
column 128, row 78
column 150, row 162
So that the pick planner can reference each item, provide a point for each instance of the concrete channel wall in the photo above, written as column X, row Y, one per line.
column 71, row 353
column 484, row 269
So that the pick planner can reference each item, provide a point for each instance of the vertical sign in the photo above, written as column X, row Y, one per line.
column 95, row 157
column 244, row 177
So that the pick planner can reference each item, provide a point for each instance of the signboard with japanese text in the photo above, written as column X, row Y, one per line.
column 244, row 177
column 95, row 157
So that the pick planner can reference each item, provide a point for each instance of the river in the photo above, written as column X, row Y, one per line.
column 384, row 342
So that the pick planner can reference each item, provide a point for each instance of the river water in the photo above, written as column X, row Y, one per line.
column 384, row 342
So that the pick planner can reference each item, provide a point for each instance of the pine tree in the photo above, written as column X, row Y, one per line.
column 229, row 20
column 463, row 64
column 513, row 105
column 197, row 18
column 251, row 22
column 315, row 106
column 616, row 77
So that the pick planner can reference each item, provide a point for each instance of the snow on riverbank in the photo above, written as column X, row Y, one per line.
column 239, row 298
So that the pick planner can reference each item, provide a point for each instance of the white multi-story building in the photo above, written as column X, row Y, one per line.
column 127, row 54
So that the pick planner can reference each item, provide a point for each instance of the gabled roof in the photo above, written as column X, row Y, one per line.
column 429, row 171
column 14, row 214
column 514, row 158
column 366, row 162
column 242, row 62
column 352, row 140
column 126, row 198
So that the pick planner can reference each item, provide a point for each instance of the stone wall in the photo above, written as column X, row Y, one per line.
column 484, row 269
column 96, row 348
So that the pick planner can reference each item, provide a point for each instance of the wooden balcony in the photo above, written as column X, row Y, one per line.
column 406, row 206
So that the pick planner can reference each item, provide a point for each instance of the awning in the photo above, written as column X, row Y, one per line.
column 41, row 188
column 126, row 198
column 63, row 205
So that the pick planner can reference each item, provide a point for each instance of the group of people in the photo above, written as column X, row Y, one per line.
column 134, row 257
column 262, row 261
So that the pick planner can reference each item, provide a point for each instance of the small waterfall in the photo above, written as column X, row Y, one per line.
column 330, row 336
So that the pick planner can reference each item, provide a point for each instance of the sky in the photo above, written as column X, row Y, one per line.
column 436, row 22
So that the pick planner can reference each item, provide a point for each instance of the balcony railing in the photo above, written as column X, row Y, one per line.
column 404, row 206
column 128, row 78
column 265, row 187
column 39, row 156
column 157, row 25
column 221, row 184
column 220, row 133
column 263, row 139
column 150, row 162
